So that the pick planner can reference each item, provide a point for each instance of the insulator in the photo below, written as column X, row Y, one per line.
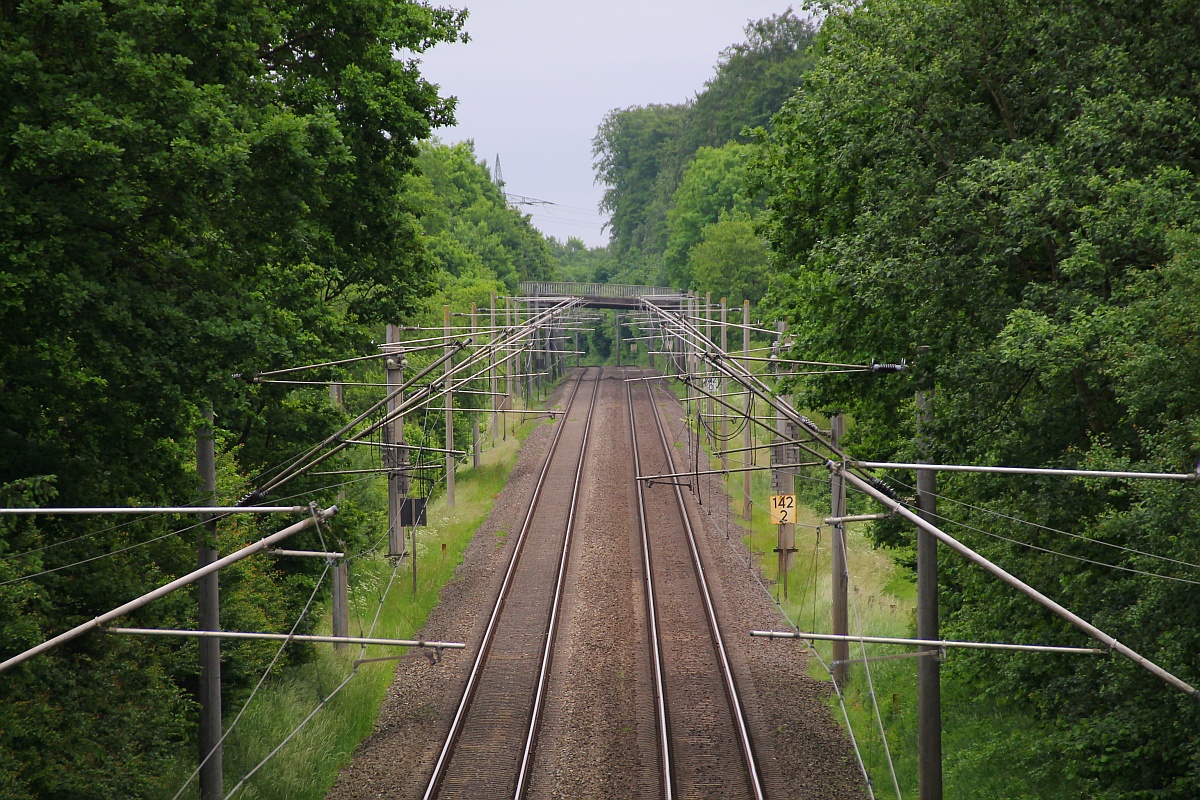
column 808, row 423
column 255, row 497
column 903, row 365
column 883, row 487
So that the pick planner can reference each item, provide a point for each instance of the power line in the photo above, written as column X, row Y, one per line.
column 1048, row 551
column 102, row 555
column 1049, row 529
column 81, row 537
column 132, row 546
column 262, row 679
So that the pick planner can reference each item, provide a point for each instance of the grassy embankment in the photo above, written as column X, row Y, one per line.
column 308, row 765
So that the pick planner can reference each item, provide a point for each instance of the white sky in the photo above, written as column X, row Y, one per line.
column 538, row 76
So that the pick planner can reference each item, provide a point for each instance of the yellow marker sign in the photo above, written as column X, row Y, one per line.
column 783, row 509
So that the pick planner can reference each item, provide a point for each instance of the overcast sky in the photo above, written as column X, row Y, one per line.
column 538, row 76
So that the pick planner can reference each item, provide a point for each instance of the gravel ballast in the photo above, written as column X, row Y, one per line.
column 597, row 738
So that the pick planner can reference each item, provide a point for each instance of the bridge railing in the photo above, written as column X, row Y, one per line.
column 573, row 289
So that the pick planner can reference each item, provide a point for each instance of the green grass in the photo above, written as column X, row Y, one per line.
column 308, row 765
column 989, row 750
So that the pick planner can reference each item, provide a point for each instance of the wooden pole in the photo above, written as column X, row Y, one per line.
column 450, row 457
column 708, row 335
column 395, row 458
column 492, row 369
column 474, row 417
column 748, row 435
column 341, row 600
column 837, row 507
column 784, row 482
column 208, row 596
column 617, row 335
column 508, row 370
column 724, row 384
column 929, row 688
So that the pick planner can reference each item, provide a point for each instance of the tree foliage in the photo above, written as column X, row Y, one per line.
column 187, row 190
column 578, row 262
column 1014, row 185
column 469, row 227
column 730, row 261
column 642, row 152
column 713, row 187
column 634, row 147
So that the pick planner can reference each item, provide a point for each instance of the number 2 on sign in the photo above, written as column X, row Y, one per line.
column 783, row 509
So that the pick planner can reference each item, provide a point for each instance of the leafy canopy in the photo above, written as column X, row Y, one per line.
column 1014, row 185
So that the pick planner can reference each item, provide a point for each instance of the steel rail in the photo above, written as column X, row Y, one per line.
column 739, row 713
column 547, row 661
column 660, row 696
column 456, row 724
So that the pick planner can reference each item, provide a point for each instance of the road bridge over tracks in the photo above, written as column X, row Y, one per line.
column 619, row 296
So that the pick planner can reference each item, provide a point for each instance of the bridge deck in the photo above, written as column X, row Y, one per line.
column 604, row 295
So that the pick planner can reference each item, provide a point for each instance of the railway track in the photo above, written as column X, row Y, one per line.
column 704, row 742
column 488, row 750
column 702, row 746
column 639, row 700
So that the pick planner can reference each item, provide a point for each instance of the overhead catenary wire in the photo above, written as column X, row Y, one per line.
column 1070, row 556
column 866, row 485
column 1078, row 473
column 109, row 554
column 1058, row 609
column 290, row 470
column 261, row 680
column 428, row 394
column 162, row 591
column 81, row 537
column 721, row 360
column 1059, row 531
column 224, row 511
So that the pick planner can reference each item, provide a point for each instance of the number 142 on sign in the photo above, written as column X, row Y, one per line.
column 783, row 509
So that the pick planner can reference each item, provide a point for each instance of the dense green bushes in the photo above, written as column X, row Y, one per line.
column 1014, row 185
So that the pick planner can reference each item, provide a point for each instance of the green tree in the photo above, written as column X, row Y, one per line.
column 642, row 152
column 633, row 147
column 1015, row 186
column 578, row 262
column 714, row 183
column 468, row 222
column 753, row 79
column 730, row 260
column 186, row 191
